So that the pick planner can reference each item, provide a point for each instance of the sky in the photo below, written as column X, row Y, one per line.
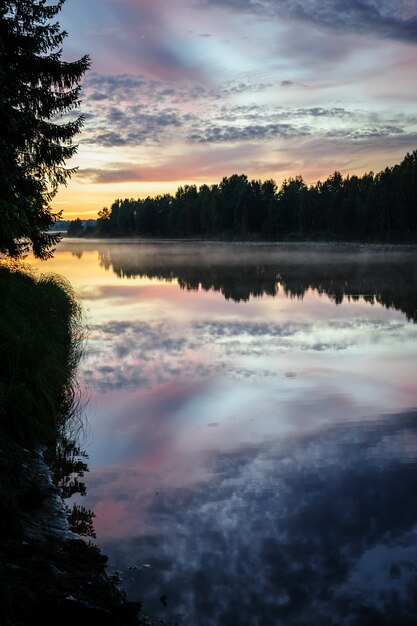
column 189, row 91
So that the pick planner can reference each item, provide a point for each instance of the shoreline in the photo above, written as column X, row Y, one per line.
column 50, row 573
column 294, row 245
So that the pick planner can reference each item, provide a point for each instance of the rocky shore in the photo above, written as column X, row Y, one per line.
column 49, row 574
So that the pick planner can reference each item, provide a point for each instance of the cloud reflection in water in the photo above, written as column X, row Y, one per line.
column 284, row 532
column 255, row 432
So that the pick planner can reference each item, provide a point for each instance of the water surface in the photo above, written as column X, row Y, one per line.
column 253, row 428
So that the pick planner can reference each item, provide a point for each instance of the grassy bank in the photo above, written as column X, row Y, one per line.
column 47, row 574
column 40, row 324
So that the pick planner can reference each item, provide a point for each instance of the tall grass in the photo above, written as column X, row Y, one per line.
column 41, row 341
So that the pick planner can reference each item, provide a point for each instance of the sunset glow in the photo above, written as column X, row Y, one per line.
column 193, row 90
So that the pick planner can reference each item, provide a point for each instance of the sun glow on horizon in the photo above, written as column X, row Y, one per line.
column 192, row 91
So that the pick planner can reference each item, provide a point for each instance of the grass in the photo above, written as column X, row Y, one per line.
column 40, row 345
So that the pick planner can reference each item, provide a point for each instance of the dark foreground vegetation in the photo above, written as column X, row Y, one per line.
column 372, row 207
column 49, row 574
column 37, row 90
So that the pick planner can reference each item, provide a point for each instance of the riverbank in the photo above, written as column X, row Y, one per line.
column 48, row 572
column 309, row 245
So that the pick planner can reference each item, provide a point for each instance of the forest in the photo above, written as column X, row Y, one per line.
column 372, row 207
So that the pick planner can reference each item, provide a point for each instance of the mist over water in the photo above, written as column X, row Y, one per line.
column 253, row 427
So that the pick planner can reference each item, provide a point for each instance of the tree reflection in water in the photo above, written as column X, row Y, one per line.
column 242, row 272
column 68, row 463
column 308, row 518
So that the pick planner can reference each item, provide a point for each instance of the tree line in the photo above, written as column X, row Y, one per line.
column 379, row 207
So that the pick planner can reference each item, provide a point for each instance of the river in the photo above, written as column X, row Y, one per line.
column 252, row 427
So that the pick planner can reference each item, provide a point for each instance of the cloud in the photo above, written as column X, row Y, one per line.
column 123, row 88
column 254, row 123
column 366, row 133
column 128, row 355
column 253, row 132
column 391, row 19
column 307, row 531
column 197, row 166
column 127, row 87
column 234, row 87
column 131, row 111
column 114, row 173
column 145, row 355
column 131, row 126
column 139, row 33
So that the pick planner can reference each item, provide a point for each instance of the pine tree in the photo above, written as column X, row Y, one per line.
column 38, row 94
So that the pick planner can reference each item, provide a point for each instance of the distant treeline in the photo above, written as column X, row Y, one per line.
column 368, row 207
column 77, row 227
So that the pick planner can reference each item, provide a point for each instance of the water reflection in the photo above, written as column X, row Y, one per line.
column 253, row 456
column 240, row 272
column 68, row 464
column 311, row 530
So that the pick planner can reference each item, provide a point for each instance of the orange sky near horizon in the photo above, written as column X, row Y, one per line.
column 194, row 90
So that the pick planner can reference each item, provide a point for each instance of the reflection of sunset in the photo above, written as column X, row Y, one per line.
column 110, row 515
column 246, row 417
